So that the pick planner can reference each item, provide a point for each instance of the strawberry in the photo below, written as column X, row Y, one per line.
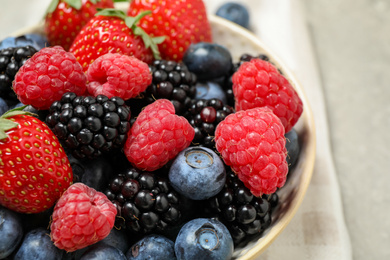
column 111, row 31
column 34, row 169
column 182, row 22
column 65, row 18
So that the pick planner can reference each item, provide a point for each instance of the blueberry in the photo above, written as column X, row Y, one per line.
column 152, row 247
column 197, row 173
column 292, row 146
column 209, row 90
column 117, row 239
column 37, row 245
column 208, row 60
column 204, row 238
column 11, row 232
column 234, row 12
column 3, row 106
column 103, row 252
column 35, row 40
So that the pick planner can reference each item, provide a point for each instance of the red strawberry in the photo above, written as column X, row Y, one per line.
column 182, row 22
column 81, row 217
column 157, row 136
column 65, row 19
column 34, row 169
column 111, row 31
column 252, row 142
column 258, row 83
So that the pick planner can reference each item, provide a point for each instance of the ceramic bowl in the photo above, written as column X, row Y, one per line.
column 239, row 41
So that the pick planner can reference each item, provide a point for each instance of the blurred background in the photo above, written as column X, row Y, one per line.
column 351, row 45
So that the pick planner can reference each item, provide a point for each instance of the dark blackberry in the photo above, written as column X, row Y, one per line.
column 243, row 214
column 145, row 202
column 172, row 81
column 89, row 126
column 11, row 59
column 204, row 115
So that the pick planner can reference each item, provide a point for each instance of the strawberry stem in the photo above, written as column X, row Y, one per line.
column 7, row 124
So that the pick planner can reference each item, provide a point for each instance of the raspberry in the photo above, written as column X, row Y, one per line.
column 81, row 217
column 47, row 75
column 258, row 83
column 157, row 136
column 252, row 142
column 119, row 75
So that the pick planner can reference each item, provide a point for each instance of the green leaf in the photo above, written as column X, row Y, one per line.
column 117, row 1
column 158, row 40
column 132, row 21
column 112, row 12
column 52, row 7
column 94, row 1
column 76, row 4
column 5, row 125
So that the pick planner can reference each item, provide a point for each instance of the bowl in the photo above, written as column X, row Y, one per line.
column 239, row 41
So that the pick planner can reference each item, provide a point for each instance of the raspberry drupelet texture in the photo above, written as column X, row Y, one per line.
column 157, row 136
column 81, row 217
column 114, row 74
column 252, row 142
column 47, row 75
column 258, row 83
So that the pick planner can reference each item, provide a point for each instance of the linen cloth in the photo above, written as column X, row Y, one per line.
column 318, row 230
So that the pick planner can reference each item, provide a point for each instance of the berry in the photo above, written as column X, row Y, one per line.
column 197, row 173
column 114, row 74
column 81, row 217
column 89, row 126
column 157, row 136
column 65, row 18
column 112, row 31
column 181, row 22
column 37, row 41
column 152, row 247
column 11, row 59
column 11, row 232
column 242, row 213
column 46, row 76
column 3, row 106
column 234, row 12
column 204, row 238
column 35, row 169
column 172, row 81
column 38, row 246
column 210, row 90
column 292, row 146
column 103, row 252
column 118, row 239
column 252, row 142
column 145, row 202
column 204, row 116
column 208, row 60
column 258, row 83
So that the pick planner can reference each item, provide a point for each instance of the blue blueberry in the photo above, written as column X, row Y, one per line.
column 37, row 245
column 292, row 146
column 209, row 90
column 204, row 238
column 11, row 231
column 3, row 106
column 208, row 60
column 35, row 40
column 197, row 173
column 103, row 252
column 117, row 239
column 152, row 247
column 234, row 12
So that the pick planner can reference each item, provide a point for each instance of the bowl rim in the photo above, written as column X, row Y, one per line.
column 265, row 241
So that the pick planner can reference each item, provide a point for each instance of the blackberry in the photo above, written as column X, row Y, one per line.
column 89, row 126
column 243, row 214
column 145, row 202
column 204, row 115
column 11, row 59
column 172, row 81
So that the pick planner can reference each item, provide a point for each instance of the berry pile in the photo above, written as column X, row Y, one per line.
column 143, row 123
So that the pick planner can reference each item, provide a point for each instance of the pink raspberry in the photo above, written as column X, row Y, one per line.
column 157, row 136
column 258, row 83
column 47, row 75
column 252, row 143
column 81, row 217
column 119, row 75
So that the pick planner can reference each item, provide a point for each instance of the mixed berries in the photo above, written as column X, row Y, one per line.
column 131, row 134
